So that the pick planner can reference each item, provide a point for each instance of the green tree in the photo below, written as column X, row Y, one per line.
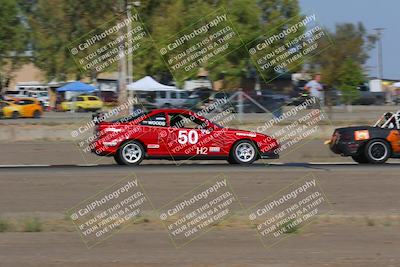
column 13, row 40
column 57, row 23
column 350, row 77
column 350, row 42
column 251, row 19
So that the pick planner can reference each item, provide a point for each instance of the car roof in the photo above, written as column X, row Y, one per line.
column 172, row 110
column 24, row 98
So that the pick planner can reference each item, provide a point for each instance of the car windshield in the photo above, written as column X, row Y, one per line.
column 213, row 122
column 4, row 104
column 134, row 116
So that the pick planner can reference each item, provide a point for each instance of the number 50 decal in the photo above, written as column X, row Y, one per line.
column 184, row 137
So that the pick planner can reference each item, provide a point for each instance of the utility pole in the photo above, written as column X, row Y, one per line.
column 380, row 53
column 129, row 57
column 126, row 61
column 122, row 94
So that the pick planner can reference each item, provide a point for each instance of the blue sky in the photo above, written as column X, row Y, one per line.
column 373, row 14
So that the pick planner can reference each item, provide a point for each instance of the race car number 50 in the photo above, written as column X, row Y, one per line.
column 184, row 137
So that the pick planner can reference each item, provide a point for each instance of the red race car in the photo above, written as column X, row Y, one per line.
column 178, row 134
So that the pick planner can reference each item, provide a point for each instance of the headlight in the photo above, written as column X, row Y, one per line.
column 361, row 135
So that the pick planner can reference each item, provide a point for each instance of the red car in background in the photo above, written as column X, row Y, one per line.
column 178, row 134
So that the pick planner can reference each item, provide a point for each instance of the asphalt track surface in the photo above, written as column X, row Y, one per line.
column 363, row 229
column 44, row 180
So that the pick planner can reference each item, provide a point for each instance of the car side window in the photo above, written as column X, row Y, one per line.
column 186, row 121
column 173, row 95
column 155, row 120
column 163, row 94
column 79, row 98
column 91, row 98
column 25, row 102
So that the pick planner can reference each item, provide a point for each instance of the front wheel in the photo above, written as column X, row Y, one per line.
column 377, row 151
column 243, row 152
column 130, row 153
column 231, row 161
column 15, row 115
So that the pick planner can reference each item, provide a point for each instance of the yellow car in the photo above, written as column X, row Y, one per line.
column 83, row 103
column 21, row 107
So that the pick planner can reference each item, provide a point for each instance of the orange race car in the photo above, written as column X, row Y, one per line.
column 21, row 107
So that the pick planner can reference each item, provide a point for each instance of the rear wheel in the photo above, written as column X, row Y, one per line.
column 360, row 158
column 130, row 153
column 377, row 151
column 243, row 152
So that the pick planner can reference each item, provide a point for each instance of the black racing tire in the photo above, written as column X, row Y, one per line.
column 15, row 115
column 231, row 161
column 118, row 159
column 238, row 156
column 37, row 114
column 130, row 153
column 377, row 151
column 361, row 159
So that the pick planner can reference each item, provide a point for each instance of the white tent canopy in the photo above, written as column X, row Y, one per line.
column 397, row 85
column 149, row 84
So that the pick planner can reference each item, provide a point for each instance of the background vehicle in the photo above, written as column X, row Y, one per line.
column 42, row 96
column 83, row 103
column 369, row 97
column 9, row 110
column 14, row 93
column 178, row 134
column 164, row 98
column 21, row 107
column 369, row 144
column 109, row 97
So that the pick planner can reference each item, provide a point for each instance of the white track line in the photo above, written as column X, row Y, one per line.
column 93, row 165
column 24, row 166
column 332, row 163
